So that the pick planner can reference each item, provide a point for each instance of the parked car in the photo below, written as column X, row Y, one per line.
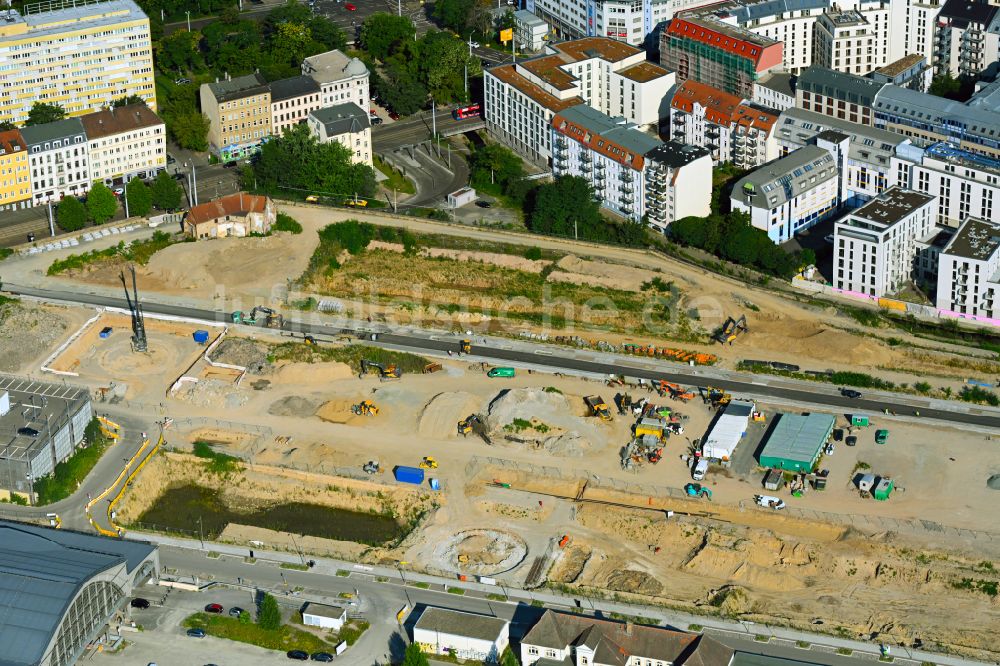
column 235, row 611
column 321, row 656
column 850, row 393
column 300, row 655
column 118, row 191
column 140, row 603
column 394, row 115
column 214, row 608
column 828, row 449
column 312, row 198
column 231, row 164
column 349, row 7
column 27, row 432
column 181, row 81
column 196, row 633
column 838, row 434
column 375, row 120
column 482, row 203
column 851, row 440
column 170, row 159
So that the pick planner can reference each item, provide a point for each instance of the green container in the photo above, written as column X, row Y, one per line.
column 860, row 420
column 500, row 372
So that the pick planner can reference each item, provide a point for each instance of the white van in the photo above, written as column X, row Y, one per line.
column 700, row 469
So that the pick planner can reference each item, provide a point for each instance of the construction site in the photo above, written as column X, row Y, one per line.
column 679, row 494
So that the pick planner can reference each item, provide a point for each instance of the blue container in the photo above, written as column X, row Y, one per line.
column 105, row 332
column 201, row 337
column 435, row 484
column 405, row 474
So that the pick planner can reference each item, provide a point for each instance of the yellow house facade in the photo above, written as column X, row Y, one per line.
column 15, row 173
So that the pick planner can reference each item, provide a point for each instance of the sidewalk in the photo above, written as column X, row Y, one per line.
column 677, row 619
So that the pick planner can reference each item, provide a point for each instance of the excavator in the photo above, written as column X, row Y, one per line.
column 365, row 408
column 272, row 319
column 473, row 424
column 731, row 329
column 390, row 371
column 676, row 391
column 716, row 396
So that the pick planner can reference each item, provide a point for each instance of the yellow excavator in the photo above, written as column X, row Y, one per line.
column 365, row 408
column 731, row 330
column 390, row 371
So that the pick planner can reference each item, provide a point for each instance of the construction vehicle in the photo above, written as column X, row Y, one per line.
column 881, row 436
column 675, row 391
column 564, row 541
column 500, row 372
column 390, row 371
column 650, row 426
column 623, row 401
column 598, row 407
column 428, row 463
column 432, row 367
column 365, row 408
column 731, row 330
column 371, row 467
column 468, row 424
column 465, row 347
column 272, row 319
column 698, row 490
column 309, row 340
column 758, row 417
column 716, row 397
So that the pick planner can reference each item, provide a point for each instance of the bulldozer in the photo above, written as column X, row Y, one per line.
column 465, row 347
column 428, row 463
column 390, row 371
column 731, row 330
column 365, row 408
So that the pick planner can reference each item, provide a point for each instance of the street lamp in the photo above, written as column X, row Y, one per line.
column 189, row 20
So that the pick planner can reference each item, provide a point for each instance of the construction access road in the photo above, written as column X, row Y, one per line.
column 552, row 358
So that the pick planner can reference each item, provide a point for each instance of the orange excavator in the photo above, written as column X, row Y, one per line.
column 676, row 391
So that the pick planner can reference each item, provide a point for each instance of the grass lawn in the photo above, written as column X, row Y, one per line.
column 138, row 252
column 396, row 180
column 285, row 638
column 68, row 474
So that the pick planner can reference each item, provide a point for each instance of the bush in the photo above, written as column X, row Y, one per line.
column 414, row 656
column 235, row 629
column 71, row 214
column 286, row 223
column 5, row 252
column 268, row 614
column 533, row 253
column 979, row 396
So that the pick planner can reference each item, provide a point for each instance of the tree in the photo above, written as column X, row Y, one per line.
column 495, row 165
column 190, row 130
column 414, row 656
column 71, row 214
column 268, row 614
column 42, row 113
column 126, row 101
column 945, row 85
column 508, row 658
column 101, row 203
column 139, row 198
column 565, row 207
column 442, row 60
column 7, row 125
column 166, row 193
column 178, row 52
column 401, row 90
column 455, row 14
column 382, row 34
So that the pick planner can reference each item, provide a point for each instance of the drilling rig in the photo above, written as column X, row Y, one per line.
column 139, row 343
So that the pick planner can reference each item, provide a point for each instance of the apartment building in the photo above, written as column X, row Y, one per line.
column 837, row 94
column 913, row 24
column 724, row 56
column 851, row 40
column 733, row 130
column 629, row 21
column 57, row 153
column 973, row 126
column 530, row 32
column 911, row 71
column 15, row 171
column 581, row 640
column 341, row 79
column 292, row 100
column 79, row 54
column 967, row 38
column 876, row 246
column 347, row 124
column 633, row 173
column 776, row 91
column 125, row 142
column 866, row 168
column 969, row 270
column 965, row 184
column 790, row 194
column 612, row 77
column 239, row 114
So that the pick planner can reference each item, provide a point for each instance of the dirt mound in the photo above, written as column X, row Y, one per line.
column 568, row 444
column 311, row 373
column 212, row 393
column 570, row 565
column 994, row 482
column 25, row 331
column 806, row 339
column 538, row 419
column 442, row 412
column 293, row 405
column 731, row 600
column 243, row 352
column 637, row 582
column 599, row 274
column 494, row 258
column 339, row 411
column 482, row 552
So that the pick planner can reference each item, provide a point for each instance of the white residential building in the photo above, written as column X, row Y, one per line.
column 868, row 168
column 634, row 174
column 125, row 142
column 837, row 94
column 442, row 631
column 530, row 32
column 733, row 130
column 852, row 40
column 341, row 79
column 965, row 184
column 292, row 100
column 59, row 161
column 969, row 271
column 586, row 641
column 790, row 194
column 629, row 21
column 347, row 124
column 913, row 28
column 776, row 91
column 612, row 77
column 876, row 246
column 967, row 37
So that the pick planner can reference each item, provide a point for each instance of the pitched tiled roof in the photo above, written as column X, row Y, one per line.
column 748, row 116
column 720, row 106
column 240, row 203
column 717, row 34
column 116, row 121
column 509, row 75
column 11, row 141
column 611, row 137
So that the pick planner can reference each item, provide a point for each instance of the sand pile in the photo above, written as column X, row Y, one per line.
column 339, row 411
column 311, row 373
column 731, row 600
column 293, row 405
column 442, row 413
column 570, row 564
column 637, row 582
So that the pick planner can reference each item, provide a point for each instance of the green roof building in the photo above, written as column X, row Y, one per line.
column 796, row 440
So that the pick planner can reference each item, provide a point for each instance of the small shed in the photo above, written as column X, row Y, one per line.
column 860, row 420
column 866, row 482
column 462, row 197
column 326, row 617
column 796, row 441
column 882, row 489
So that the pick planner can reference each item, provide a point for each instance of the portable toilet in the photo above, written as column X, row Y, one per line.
column 860, row 420
column 882, row 490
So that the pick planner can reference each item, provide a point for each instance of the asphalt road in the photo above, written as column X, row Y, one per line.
column 556, row 359
column 415, row 129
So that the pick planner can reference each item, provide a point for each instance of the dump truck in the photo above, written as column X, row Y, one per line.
column 598, row 407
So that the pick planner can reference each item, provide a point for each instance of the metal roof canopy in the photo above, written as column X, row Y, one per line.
column 798, row 437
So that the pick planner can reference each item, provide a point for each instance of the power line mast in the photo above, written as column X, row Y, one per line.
column 139, row 343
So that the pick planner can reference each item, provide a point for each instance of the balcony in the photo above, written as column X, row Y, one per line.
column 585, row 167
column 627, row 177
column 627, row 189
column 712, row 131
column 678, row 134
column 560, row 142
column 585, row 157
column 599, row 178
column 600, row 166
column 679, row 120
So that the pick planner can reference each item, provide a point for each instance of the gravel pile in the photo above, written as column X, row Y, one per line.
column 245, row 353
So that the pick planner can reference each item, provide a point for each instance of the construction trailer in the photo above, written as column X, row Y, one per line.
column 728, row 429
column 796, row 441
